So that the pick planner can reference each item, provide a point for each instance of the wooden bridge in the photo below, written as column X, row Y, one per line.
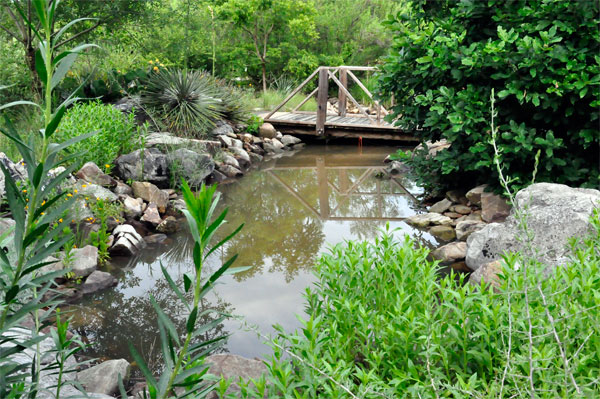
column 366, row 123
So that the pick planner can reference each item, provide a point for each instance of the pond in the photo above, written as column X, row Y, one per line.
column 293, row 208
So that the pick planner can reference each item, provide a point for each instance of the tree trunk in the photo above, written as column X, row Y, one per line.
column 264, row 76
column 36, row 84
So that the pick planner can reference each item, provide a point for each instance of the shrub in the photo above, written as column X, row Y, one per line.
column 117, row 133
column 184, row 101
column 383, row 323
column 542, row 60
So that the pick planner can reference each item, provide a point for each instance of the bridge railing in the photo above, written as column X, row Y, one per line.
column 339, row 75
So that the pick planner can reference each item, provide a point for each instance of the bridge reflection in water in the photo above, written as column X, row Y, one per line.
column 351, row 187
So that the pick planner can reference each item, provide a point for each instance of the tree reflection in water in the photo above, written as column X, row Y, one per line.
column 291, row 210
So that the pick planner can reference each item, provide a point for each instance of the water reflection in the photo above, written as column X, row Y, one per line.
column 293, row 208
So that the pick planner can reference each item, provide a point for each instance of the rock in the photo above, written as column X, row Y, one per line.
column 441, row 206
column 90, row 172
column 222, row 128
column 230, row 160
column 433, row 147
column 288, row 140
column 133, row 207
column 452, row 252
column 242, row 156
column 150, row 193
column 467, row 227
column 455, row 195
column 487, row 273
column 164, row 139
column 54, row 266
column 98, row 281
column 555, row 213
column 271, row 148
column 234, row 367
column 227, row 141
column 84, row 260
column 151, row 215
column 2, row 184
column 155, row 239
column 255, row 158
column 150, row 165
column 396, row 168
column 237, row 143
column 216, row 177
column 474, row 195
column 123, row 189
column 444, row 233
column 267, row 130
column 104, row 377
column 16, row 170
column 298, row 146
column 462, row 209
column 94, row 191
column 64, row 294
column 453, row 215
column 257, row 140
column 230, row 171
column 179, row 205
column 192, row 166
column 460, row 267
column 426, row 219
column 128, row 241
column 168, row 226
column 493, row 208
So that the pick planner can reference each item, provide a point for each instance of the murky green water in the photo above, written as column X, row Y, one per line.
column 293, row 208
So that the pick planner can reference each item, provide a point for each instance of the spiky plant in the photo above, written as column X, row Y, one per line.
column 184, row 101
column 233, row 106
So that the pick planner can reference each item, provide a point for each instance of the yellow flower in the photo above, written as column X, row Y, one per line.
column 43, row 202
column 162, row 65
column 87, row 198
column 69, row 195
column 72, row 220
column 75, row 191
column 157, row 60
column 150, row 62
column 74, row 246
column 83, row 185
column 155, row 69
column 97, row 199
column 43, row 213
column 107, row 166
column 26, row 207
column 24, row 191
column 60, row 220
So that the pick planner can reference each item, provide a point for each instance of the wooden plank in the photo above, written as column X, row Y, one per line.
column 341, row 94
column 293, row 93
column 360, row 108
column 322, row 101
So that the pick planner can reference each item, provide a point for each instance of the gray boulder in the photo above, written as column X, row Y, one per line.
column 150, row 193
column 426, row 219
column 441, row 206
column 452, row 252
column 192, row 166
column 465, row 228
column 94, row 191
column 127, row 241
column 16, row 170
column 84, row 260
column 474, row 195
column 151, row 215
column 104, row 377
column 230, row 171
column 98, row 281
column 150, row 165
column 223, row 128
column 554, row 214
column 241, row 155
column 288, row 140
column 90, row 172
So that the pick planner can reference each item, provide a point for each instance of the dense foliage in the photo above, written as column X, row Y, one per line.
column 383, row 324
column 542, row 58
column 115, row 132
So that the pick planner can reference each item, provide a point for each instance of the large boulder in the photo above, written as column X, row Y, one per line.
column 16, row 169
column 98, row 281
column 554, row 214
column 90, row 172
column 222, row 128
column 494, row 208
column 94, row 191
column 84, row 260
column 150, row 193
column 267, row 130
column 149, row 164
column 104, row 377
column 474, row 195
column 452, row 252
column 426, row 219
column 192, row 166
column 128, row 241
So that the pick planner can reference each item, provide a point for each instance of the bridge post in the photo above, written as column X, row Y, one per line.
column 342, row 93
column 322, row 100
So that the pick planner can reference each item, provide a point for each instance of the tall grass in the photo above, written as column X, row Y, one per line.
column 272, row 98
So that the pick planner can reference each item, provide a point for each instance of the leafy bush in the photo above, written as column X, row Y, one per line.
column 14, row 73
column 117, row 133
column 542, row 60
column 383, row 323
column 254, row 124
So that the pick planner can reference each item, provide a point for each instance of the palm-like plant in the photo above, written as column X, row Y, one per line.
column 184, row 101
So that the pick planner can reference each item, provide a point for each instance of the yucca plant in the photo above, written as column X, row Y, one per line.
column 233, row 106
column 184, row 101
column 36, row 208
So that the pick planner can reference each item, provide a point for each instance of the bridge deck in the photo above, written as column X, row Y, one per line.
column 351, row 125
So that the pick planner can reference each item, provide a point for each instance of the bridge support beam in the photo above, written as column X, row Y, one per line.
column 341, row 93
column 322, row 97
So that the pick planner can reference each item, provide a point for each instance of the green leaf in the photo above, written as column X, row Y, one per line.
column 51, row 128
column 40, row 67
column 20, row 102
column 191, row 321
column 187, row 282
column 62, row 68
column 37, row 176
column 142, row 366
column 164, row 319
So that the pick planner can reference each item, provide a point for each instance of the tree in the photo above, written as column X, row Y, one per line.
column 541, row 58
column 13, row 13
column 262, row 20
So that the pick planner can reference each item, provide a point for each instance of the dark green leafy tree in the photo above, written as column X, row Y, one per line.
column 542, row 58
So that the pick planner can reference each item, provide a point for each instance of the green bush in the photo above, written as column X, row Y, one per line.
column 382, row 322
column 14, row 73
column 542, row 58
column 117, row 133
